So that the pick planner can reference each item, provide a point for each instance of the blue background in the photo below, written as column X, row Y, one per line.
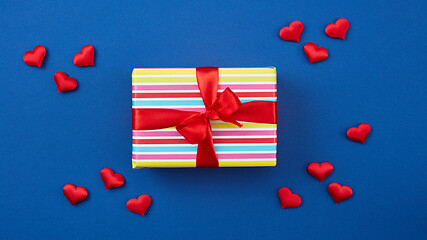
column 376, row 75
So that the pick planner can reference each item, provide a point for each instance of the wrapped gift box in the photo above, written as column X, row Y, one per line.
column 252, row 144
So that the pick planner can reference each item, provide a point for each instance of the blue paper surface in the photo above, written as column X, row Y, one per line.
column 376, row 75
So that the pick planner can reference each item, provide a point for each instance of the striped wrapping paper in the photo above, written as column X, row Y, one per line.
column 254, row 144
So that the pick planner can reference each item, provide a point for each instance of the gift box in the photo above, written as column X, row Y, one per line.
column 204, row 117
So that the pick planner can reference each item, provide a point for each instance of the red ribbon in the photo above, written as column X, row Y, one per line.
column 194, row 126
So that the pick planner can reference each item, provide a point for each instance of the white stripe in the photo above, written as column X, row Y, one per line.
column 170, row 107
column 212, row 121
column 248, row 75
column 194, row 75
column 195, row 83
column 197, row 91
column 216, row 129
column 247, row 159
column 194, row 160
column 214, row 137
column 164, row 137
column 219, row 121
column 190, row 68
column 165, row 76
column 196, row 98
column 218, row 152
column 183, row 68
column 216, row 145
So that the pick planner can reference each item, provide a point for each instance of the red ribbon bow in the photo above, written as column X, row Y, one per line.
column 194, row 126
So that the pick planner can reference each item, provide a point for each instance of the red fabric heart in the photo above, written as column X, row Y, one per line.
column 85, row 57
column 139, row 205
column 293, row 32
column 35, row 57
column 74, row 194
column 111, row 179
column 64, row 83
column 314, row 53
column 359, row 133
column 320, row 171
column 337, row 29
column 289, row 199
column 339, row 193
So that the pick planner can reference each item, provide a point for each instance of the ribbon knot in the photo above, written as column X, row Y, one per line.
column 209, row 114
column 195, row 127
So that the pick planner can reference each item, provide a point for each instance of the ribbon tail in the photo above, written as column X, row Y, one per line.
column 206, row 155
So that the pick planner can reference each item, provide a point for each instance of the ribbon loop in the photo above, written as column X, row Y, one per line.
column 226, row 103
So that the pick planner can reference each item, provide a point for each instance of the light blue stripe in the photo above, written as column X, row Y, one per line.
column 194, row 148
column 178, row 102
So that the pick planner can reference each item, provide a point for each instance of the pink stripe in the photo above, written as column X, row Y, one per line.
column 193, row 156
column 195, row 87
column 189, row 68
column 173, row 132
column 186, row 109
column 192, row 109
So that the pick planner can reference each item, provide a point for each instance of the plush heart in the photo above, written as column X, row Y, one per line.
column 289, row 199
column 74, row 194
column 35, row 57
column 339, row 193
column 359, row 133
column 139, row 205
column 85, row 57
column 293, row 32
column 314, row 53
column 320, row 171
column 111, row 179
column 337, row 29
column 64, row 83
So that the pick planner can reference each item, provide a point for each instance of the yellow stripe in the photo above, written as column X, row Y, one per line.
column 165, row 80
column 247, row 71
column 247, row 164
column 187, row 71
column 172, row 164
column 194, row 80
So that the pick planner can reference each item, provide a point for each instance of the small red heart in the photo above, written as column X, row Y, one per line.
column 74, row 194
column 314, row 53
column 111, row 179
column 35, row 57
column 64, row 83
column 320, row 171
column 139, row 205
column 85, row 57
column 289, row 199
column 359, row 133
column 293, row 32
column 339, row 193
column 337, row 29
